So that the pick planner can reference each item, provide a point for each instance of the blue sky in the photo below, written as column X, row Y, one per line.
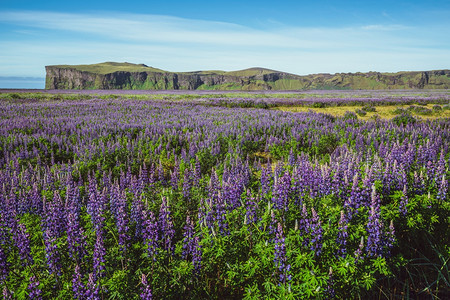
column 301, row 37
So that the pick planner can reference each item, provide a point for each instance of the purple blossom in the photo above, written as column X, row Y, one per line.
column 136, row 217
column 443, row 189
column 4, row 266
column 175, row 176
column 122, row 220
column 390, row 238
column 99, row 256
column 75, row 233
column 374, row 245
column 359, row 252
column 146, row 293
column 342, row 235
column 33, row 289
column 51, row 253
column 188, row 238
column 165, row 226
column 251, row 210
column 187, row 183
column 197, row 255
column 22, row 242
column 92, row 289
column 316, row 233
column 280, row 257
column 403, row 202
column 330, row 285
column 78, row 287
column 266, row 178
column 150, row 234
column 7, row 294
column 281, row 191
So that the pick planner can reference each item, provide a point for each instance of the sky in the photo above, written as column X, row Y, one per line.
column 300, row 37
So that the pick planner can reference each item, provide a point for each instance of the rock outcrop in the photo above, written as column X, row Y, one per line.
column 131, row 76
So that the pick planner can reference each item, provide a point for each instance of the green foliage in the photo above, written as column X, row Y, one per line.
column 350, row 116
column 404, row 119
column 361, row 112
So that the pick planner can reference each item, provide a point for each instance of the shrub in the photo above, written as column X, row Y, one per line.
column 399, row 111
column 369, row 108
column 404, row 119
column 420, row 110
column 437, row 107
column 349, row 115
column 360, row 112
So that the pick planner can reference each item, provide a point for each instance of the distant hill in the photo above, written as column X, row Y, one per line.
column 112, row 75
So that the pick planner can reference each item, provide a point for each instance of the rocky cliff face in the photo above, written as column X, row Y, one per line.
column 66, row 77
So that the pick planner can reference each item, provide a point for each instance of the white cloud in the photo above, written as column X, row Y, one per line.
column 178, row 44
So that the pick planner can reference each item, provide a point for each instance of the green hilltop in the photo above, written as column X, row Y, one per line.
column 113, row 75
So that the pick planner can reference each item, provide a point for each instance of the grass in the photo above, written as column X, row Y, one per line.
column 384, row 112
column 111, row 67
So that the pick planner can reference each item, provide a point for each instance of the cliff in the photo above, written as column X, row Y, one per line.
column 131, row 76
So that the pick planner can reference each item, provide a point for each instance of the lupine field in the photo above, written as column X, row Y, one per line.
column 112, row 197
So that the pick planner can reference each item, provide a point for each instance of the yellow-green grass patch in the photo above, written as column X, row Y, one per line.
column 383, row 112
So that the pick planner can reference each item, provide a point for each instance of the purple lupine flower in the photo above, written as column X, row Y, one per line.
column 175, row 176
column 443, row 189
column 188, row 240
column 165, row 226
column 280, row 256
column 150, row 234
column 342, row 235
column 99, row 256
column 419, row 183
column 266, row 179
column 4, row 238
column 374, row 227
column 187, row 183
column 355, row 199
column 330, row 285
column 304, row 221
column 33, row 289
column 197, row 173
column 4, row 266
column 136, row 216
column 161, row 177
column 403, row 202
column 316, row 232
column 197, row 255
column 281, row 190
column 7, row 294
column 54, row 216
column 75, row 234
column 220, row 215
column 359, row 252
column 143, row 176
column 22, row 241
column 390, row 238
column 136, row 187
column 52, row 253
column 251, row 208
column 96, row 207
column 146, row 290
column 122, row 220
column 92, row 289
column 78, row 287
column 35, row 200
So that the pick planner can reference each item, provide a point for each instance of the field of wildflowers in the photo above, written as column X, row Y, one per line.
column 220, row 198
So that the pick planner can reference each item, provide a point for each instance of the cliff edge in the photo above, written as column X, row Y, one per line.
column 112, row 75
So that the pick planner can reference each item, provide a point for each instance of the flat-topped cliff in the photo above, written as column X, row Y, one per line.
column 110, row 75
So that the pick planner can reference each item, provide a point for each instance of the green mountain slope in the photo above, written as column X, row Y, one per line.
column 112, row 75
